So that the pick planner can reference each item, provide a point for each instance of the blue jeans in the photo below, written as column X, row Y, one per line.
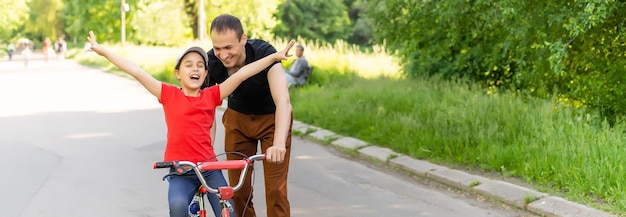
column 291, row 80
column 183, row 187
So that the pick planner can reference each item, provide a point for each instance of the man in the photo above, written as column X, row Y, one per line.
column 296, row 75
column 259, row 111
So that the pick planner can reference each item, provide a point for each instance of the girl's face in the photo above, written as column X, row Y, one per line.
column 192, row 71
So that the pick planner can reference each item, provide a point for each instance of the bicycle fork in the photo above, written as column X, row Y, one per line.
column 226, row 193
column 197, row 206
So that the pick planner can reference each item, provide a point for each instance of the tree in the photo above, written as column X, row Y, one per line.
column 255, row 15
column 12, row 16
column 103, row 17
column 362, row 27
column 571, row 50
column 161, row 22
column 326, row 20
column 44, row 20
column 191, row 9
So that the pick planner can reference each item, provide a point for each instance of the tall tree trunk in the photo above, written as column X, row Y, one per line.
column 192, row 12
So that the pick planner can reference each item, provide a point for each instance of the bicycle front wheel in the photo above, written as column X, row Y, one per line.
column 225, row 212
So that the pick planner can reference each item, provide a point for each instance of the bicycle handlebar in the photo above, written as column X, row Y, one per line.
column 243, row 164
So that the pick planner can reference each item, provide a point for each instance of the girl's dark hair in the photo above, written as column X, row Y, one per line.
column 225, row 22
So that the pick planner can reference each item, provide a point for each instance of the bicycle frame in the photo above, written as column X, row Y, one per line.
column 225, row 193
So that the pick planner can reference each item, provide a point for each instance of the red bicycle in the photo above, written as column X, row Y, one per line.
column 225, row 193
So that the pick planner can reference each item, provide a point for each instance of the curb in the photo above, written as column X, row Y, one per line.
column 517, row 196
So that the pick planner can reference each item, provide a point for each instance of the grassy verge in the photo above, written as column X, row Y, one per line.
column 555, row 149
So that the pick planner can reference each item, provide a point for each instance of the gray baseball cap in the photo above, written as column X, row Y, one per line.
column 196, row 49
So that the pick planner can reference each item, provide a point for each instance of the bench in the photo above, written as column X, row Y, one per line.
column 307, row 75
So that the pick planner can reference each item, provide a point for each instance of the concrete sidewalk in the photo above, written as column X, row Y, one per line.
column 521, row 197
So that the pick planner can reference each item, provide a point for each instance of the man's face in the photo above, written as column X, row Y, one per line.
column 228, row 48
column 299, row 52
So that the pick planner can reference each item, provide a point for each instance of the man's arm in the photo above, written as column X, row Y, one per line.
column 280, row 94
column 300, row 68
column 304, row 66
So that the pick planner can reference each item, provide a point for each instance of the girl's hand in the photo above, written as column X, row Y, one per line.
column 95, row 47
column 284, row 54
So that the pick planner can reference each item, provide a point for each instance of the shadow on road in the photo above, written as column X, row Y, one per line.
column 61, row 158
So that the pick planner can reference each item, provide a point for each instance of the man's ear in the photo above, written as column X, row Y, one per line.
column 176, row 72
column 244, row 39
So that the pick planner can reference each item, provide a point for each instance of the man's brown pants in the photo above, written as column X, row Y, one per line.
column 242, row 134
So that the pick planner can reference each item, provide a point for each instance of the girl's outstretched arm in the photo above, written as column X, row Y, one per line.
column 150, row 83
column 230, row 84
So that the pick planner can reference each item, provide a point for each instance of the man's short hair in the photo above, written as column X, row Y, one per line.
column 225, row 22
column 300, row 46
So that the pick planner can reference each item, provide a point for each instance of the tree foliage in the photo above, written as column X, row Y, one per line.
column 362, row 29
column 12, row 17
column 572, row 49
column 326, row 20
column 255, row 15
column 161, row 22
column 44, row 19
column 103, row 17
column 157, row 22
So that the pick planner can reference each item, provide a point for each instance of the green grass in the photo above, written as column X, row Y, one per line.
column 556, row 149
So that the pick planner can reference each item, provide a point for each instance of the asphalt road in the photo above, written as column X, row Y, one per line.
column 76, row 141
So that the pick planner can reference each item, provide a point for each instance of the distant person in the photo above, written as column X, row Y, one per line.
column 26, row 52
column 189, row 114
column 87, row 47
column 11, row 50
column 47, row 49
column 296, row 75
column 60, row 48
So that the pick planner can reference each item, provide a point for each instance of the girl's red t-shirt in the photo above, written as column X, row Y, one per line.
column 189, row 120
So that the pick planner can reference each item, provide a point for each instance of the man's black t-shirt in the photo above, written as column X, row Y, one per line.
column 253, row 95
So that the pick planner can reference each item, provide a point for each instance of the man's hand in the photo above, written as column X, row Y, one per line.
column 275, row 154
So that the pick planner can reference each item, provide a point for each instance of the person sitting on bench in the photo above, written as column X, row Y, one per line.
column 296, row 74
